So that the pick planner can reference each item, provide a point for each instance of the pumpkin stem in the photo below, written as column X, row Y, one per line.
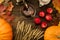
column 59, row 24
column 58, row 37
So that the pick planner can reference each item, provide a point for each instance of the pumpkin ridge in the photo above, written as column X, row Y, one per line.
column 5, row 30
column 8, row 30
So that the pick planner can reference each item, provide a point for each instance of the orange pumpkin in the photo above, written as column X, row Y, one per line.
column 5, row 30
column 52, row 33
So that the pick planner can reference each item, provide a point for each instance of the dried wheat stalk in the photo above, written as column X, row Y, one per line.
column 24, row 32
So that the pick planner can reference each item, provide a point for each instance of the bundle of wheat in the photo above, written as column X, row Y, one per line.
column 25, row 32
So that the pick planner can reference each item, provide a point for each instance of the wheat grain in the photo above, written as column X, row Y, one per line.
column 24, row 32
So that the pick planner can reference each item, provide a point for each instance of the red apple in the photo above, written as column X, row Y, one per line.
column 44, row 25
column 37, row 20
column 49, row 10
column 48, row 17
column 41, row 14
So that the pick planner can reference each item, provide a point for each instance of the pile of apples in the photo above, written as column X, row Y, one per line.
column 47, row 17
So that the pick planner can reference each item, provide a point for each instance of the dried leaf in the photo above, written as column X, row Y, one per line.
column 10, row 7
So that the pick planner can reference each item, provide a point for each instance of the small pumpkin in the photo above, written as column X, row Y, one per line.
column 52, row 33
column 5, row 30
